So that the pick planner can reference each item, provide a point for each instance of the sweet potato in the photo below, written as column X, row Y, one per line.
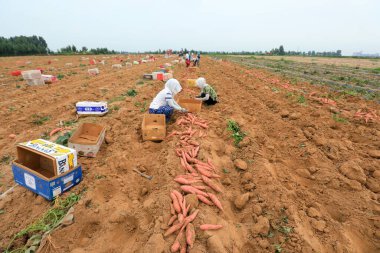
column 176, row 205
column 215, row 200
column 175, row 247
column 172, row 211
column 210, row 227
column 212, row 184
column 205, row 126
column 190, row 235
column 56, row 130
column 190, row 189
column 204, row 200
column 180, row 217
column 191, row 217
column 174, row 228
column 178, row 195
column 200, row 187
column 172, row 219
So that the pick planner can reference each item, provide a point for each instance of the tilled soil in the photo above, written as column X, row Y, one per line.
column 313, row 181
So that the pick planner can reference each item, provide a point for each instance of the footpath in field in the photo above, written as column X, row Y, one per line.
column 303, row 179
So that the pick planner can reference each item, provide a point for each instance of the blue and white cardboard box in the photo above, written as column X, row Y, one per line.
column 91, row 108
column 46, row 168
column 47, row 188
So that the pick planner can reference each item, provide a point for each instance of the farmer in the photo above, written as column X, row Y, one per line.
column 198, row 58
column 188, row 61
column 164, row 102
column 208, row 94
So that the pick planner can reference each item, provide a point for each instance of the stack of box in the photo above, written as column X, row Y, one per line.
column 33, row 77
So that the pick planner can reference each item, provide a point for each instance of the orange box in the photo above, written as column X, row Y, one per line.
column 153, row 127
column 192, row 105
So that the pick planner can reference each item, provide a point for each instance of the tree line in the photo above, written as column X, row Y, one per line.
column 36, row 45
column 23, row 45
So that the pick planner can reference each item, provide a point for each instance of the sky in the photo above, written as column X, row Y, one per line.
column 211, row 25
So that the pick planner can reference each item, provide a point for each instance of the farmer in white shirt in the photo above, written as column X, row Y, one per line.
column 164, row 102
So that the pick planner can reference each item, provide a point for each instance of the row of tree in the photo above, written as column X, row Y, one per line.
column 36, row 45
column 33, row 45
column 84, row 50
column 23, row 45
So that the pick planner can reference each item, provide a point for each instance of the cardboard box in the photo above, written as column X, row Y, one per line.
column 47, row 187
column 87, row 139
column 46, row 158
column 191, row 82
column 31, row 74
column 192, row 105
column 148, row 76
column 38, row 81
column 160, row 76
column 91, row 108
column 153, row 127
column 94, row 71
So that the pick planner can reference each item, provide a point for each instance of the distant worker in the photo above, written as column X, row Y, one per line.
column 164, row 102
column 187, row 60
column 208, row 94
column 196, row 60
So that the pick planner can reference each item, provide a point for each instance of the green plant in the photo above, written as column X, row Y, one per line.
column 336, row 118
column 140, row 82
column 131, row 93
column 115, row 99
column 301, row 99
column 39, row 120
column 114, row 108
column 275, row 89
column 60, row 76
column 47, row 223
column 5, row 159
column 64, row 139
column 99, row 176
column 18, row 86
column 225, row 171
column 11, row 108
column 278, row 248
column 2, row 211
column 45, row 136
column 69, row 122
column 237, row 134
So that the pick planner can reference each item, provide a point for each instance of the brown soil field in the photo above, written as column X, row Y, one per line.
column 350, row 62
column 311, row 181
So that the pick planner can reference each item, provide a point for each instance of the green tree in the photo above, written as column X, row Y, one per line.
column 281, row 50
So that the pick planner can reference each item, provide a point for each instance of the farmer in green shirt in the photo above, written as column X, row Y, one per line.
column 208, row 94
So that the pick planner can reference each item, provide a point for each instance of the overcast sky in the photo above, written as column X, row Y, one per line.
column 231, row 25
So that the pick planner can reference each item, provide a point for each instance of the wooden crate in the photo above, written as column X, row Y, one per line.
column 192, row 105
column 153, row 127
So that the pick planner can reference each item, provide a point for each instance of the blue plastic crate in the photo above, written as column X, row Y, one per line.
column 47, row 188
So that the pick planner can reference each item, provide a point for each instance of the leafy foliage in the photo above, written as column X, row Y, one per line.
column 237, row 134
column 23, row 45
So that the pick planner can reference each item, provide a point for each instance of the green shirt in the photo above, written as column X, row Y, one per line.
column 209, row 90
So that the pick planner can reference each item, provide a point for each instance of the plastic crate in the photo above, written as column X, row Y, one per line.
column 153, row 127
column 192, row 105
